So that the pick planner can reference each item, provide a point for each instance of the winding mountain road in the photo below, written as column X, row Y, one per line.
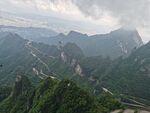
column 37, row 72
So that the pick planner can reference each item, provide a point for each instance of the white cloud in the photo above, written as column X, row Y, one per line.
column 134, row 13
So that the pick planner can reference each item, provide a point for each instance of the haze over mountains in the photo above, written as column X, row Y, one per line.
column 74, row 56
column 119, row 43
column 31, row 33
column 117, row 63
column 45, row 21
column 12, row 19
column 39, row 61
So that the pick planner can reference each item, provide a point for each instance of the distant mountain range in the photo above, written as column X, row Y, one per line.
column 115, row 44
column 31, row 33
column 58, row 24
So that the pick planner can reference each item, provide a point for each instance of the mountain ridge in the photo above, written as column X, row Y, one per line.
column 114, row 44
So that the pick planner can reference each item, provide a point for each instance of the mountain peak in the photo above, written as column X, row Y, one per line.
column 75, row 33
column 128, row 34
column 125, row 30
column 61, row 35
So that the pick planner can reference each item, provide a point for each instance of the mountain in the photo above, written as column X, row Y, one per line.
column 54, row 96
column 129, row 76
column 30, row 33
column 36, row 60
column 117, row 43
column 17, row 56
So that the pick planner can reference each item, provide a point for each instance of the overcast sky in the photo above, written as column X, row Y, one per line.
column 106, row 15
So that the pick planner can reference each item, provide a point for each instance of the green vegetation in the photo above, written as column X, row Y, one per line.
column 128, row 76
column 108, row 101
column 54, row 96
column 73, row 51
column 4, row 92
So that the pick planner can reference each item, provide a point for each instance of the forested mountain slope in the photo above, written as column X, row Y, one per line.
column 130, row 76
column 54, row 96
column 36, row 60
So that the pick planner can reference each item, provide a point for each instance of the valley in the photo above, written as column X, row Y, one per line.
column 39, row 61
column 74, row 56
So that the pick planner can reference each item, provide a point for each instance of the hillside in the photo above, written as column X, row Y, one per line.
column 114, row 44
column 39, row 61
column 53, row 96
column 36, row 60
column 129, row 76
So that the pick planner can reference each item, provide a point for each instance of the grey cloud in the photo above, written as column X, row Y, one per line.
column 129, row 12
column 135, row 12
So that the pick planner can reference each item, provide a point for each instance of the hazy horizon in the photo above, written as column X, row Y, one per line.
column 91, row 17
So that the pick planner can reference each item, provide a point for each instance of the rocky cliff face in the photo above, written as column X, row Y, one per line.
column 70, row 54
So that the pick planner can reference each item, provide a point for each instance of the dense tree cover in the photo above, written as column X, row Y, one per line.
column 54, row 96
column 129, row 76
column 108, row 101
column 73, row 51
column 4, row 92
